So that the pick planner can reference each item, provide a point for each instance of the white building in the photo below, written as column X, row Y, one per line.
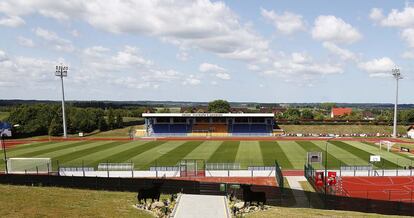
column 410, row 132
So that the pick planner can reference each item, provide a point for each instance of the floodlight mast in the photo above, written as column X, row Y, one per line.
column 397, row 76
column 62, row 71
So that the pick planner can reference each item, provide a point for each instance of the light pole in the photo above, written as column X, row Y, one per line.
column 62, row 71
column 397, row 76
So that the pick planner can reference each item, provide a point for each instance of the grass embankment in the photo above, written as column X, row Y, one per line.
column 21, row 201
column 342, row 129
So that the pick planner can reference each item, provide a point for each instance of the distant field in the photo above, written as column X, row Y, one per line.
column 4, row 115
column 289, row 154
column 342, row 129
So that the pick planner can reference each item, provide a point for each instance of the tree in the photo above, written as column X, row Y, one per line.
column 55, row 127
column 307, row 114
column 407, row 116
column 111, row 119
column 327, row 105
column 219, row 106
column 292, row 114
column 119, row 122
column 102, row 125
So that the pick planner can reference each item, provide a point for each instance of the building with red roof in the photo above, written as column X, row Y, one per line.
column 340, row 111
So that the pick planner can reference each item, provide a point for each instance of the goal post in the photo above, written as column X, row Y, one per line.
column 29, row 165
column 387, row 144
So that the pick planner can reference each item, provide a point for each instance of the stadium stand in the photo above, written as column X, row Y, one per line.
column 209, row 124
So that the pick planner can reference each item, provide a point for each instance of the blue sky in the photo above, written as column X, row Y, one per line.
column 264, row 51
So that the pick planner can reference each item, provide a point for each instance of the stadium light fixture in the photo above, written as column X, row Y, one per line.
column 62, row 71
column 397, row 76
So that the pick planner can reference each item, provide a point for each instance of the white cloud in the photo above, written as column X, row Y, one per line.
column 191, row 80
column 95, row 51
column 408, row 36
column 129, row 56
column 219, row 72
column 126, row 67
column 198, row 24
column 396, row 18
column 378, row 67
column 75, row 33
column 59, row 44
column 344, row 54
column 182, row 55
column 11, row 21
column 408, row 55
column 26, row 42
column 333, row 29
column 301, row 65
column 286, row 23
column 376, row 14
column 403, row 19
column 27, row 72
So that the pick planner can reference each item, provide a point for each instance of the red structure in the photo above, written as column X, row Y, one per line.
column 339, row 112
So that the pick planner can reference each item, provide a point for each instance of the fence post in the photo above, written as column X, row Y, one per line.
column 57, row 162
column 48, row 170
column 37, row 170
column 83, row 168
column 132, row 170
column 107, row 168
column 397, row 166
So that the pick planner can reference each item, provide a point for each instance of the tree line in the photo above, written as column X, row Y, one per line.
column 46, row 119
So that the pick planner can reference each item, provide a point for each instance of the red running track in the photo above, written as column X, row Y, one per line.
column 388, row 188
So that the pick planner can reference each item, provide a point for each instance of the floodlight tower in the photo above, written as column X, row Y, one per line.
column 397, row 76
column 62, row 71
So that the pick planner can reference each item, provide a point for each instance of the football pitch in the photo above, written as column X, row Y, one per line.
column 144, row 154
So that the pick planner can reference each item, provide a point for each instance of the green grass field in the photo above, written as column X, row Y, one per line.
column 289, row 154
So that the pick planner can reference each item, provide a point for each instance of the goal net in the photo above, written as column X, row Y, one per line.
column 29, row 165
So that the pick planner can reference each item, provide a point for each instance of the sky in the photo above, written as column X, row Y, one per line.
column 201, row 50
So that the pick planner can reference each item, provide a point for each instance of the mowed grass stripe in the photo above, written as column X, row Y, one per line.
column 226, row 153
column 80, row 153
column 249, row 154
column 172, row 157
column 130, row 153
column 56, row 148
column 295, row 153
column 30, row 146
column 363, row 154
column 272, row 151
column 29, row 149
column 333, row 162
column 204, row 151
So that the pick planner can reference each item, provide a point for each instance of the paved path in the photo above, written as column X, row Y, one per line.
column 201, row 206
column 300, row 197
